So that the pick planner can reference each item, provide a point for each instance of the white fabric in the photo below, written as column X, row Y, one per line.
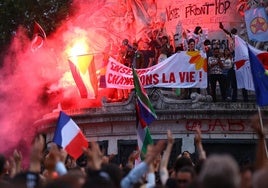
column 69, row 132
column 178, row 71
column 243, row 73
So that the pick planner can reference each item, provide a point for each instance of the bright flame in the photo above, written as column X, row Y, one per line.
column 79, row 46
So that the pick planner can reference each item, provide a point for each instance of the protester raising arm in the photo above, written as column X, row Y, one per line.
column 36, row 154
column 261, row 155
column 54, row 162
column 150, row 176
column 94, row 156
column 15, row 163
column 164, row 162
column 131, row 159
column 136, row 173
column 199, row 145
column 225, row 31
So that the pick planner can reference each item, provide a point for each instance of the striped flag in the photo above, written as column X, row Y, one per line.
column 145, row 115
column 69, row 136
column 39, row 36
column 84, row 74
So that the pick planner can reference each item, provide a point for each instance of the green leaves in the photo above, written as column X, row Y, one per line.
column 13, row 13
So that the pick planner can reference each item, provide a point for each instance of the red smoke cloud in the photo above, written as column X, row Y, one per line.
column 34, row 82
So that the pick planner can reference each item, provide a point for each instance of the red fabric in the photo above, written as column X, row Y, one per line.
column 75, row 147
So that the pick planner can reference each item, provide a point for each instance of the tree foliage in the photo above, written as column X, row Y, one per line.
column 15, row 13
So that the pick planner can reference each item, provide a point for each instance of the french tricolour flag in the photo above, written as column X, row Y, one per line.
column 69, row 136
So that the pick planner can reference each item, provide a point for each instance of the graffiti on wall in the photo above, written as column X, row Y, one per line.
column 207, row 15
column 213, row 125
column 219, row 7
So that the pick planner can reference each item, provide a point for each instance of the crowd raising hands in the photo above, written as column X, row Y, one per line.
column 53, row 167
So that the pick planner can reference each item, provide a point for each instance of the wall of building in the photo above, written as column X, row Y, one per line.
column 224, row 125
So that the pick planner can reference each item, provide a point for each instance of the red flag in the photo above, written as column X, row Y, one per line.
column 84, row 74
column 39, row 36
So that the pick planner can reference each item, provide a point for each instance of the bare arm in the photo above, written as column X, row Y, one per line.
column 94, row 156
column 131, row 159
column 15, row 162
column 261, row 155
column 36, row 154
column 136, row 173
column 54, row 162
column 164, row 162
column 199, row 145
column 225, row 31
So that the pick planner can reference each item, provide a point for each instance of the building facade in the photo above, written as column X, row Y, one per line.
column 225, row 126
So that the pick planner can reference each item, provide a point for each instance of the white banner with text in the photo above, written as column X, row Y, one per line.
column 181, row 70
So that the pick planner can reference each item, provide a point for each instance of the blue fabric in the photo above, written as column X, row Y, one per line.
column 134, row 175
column 62, row 121
column 256, row 23
column 260, row 79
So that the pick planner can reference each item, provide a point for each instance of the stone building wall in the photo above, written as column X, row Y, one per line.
column 223, row 124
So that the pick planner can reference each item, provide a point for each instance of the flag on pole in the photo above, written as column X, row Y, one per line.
column 145, row 115
column 84, row 74
column 39, row 36
column 257, row 24
column 242, row 64
column 260, row 79
column 69, row 136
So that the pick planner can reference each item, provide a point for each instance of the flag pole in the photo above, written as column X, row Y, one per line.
column 86, row 54
column 260, row 117
column 262, row 128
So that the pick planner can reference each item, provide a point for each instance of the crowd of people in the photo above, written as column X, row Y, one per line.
column 53, row 167
column 157, row 46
